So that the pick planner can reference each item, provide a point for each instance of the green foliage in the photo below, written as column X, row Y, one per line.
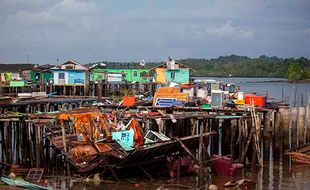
column 237, row 66
column 293, row 72
column 298, row 69
column 242, row 66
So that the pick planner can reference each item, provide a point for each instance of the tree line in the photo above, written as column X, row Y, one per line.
column 242, row 66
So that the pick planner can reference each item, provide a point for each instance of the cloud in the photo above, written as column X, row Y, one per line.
column 225, row 31
column 307, row 34
column 229, row 31
column 88, row 30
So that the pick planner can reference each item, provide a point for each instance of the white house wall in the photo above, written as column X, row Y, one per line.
column 56, row 79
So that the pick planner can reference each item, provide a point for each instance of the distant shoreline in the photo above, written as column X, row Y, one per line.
column 239, row 77
column 255, row 81
column 268, row 81
column 301, row 81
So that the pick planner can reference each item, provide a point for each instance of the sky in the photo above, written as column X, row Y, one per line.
column 132, row 30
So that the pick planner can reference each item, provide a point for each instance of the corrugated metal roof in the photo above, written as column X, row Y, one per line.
column 15, row 67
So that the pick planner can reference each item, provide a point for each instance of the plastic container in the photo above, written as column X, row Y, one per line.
column 216, row 98
column 201, row 93
column 240, row 102
column 190, row 91
column 257, row 100
column 129, row 100
column 205, row 106
column 240, row 96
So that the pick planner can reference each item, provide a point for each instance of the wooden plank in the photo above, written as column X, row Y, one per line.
column 163, row 148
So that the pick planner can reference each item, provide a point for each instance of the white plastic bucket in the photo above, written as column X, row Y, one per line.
column 201, row 93
column 240, row 96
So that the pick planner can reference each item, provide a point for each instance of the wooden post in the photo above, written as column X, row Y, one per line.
column 37, row 145
column 63, row 132
column 285, row 126
column 226, row 137
column 267, row 128
column 301, row 124
column 307, row 128
column 99, row 90
column 234, row 126
column 200, row 145
column 47, row 153
column 215, row 138
column 294, row 127
column 277, row 123
column 256, row 122
column 241, row 142
column 17, row 139
column 193, row 126
column 30, row 152
column 200, row 149
column 273, row 119
column 6, row 143
column 74, row 90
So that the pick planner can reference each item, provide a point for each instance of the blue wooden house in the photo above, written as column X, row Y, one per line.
column 70, row 73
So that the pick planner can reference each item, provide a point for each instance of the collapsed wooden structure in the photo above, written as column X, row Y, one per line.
column 30, row 137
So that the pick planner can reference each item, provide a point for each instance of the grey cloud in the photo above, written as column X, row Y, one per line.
column 116, row 30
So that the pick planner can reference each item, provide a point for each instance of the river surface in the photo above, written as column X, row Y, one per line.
column 277, row 88
column 278, row 172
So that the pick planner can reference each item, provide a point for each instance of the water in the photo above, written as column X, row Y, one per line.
column 277, row 88
column 277, row 173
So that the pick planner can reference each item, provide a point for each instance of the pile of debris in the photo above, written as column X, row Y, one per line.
column 92, row 140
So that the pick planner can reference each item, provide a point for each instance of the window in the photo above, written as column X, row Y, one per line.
column 135, row 74
column 37, row 76
column 172, row 75
column 69, row 67
column 61, row 75
column 144, row 74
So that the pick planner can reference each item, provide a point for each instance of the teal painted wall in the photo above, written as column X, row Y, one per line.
column 138, row 75
column 71, row 77
column 180, row 75
column 97, row 74
column 76, row 77
column 44, row 76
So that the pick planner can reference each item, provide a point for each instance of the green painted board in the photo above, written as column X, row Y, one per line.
column 17, row 83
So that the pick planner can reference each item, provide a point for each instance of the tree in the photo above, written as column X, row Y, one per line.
column 294, row 72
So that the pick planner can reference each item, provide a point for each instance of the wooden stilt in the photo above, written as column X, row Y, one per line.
column 146, row 173
column 301, row 125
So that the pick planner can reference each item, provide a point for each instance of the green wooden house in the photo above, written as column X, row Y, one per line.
column 37, row 74
column 119, row 72
column 41, row 73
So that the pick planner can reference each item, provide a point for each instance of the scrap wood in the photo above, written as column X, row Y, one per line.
column 244, row 183
column 161, row 112
column 175, row 186
column 138, row 136
column 186, row 149
column 17, row 170
column 299, row 157
column 84, row 123
column 305, row 149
